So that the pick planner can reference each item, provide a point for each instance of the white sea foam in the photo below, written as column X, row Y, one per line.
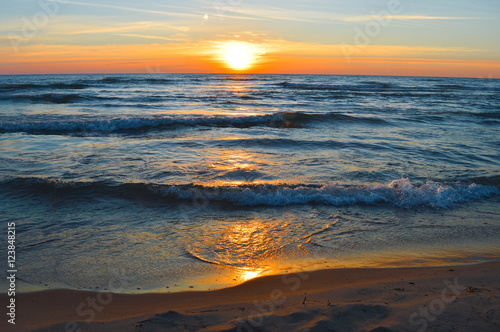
column 400, row 193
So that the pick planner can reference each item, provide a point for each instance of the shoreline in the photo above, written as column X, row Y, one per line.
column 343, row 299
column 183, row 286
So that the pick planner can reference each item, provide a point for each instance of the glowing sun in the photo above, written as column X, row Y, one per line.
column 239, row 55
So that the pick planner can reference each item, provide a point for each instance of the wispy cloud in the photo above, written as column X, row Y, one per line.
column 150, row 37
column 149, row 11
column 428, row 49
column 301, row 49
column 135, row 26
column 402, row 18
column 274, row 14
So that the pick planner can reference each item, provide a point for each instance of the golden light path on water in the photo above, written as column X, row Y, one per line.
column 253, row 246
column 250, row 274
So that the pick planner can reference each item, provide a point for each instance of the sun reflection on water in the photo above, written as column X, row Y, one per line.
column 247, row 274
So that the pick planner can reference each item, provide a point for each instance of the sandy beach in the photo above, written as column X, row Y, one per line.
column 458, row 298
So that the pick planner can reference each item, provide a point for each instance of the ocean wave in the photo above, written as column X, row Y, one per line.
column 388, row 89
column 488, row 115
column 234, row 78
column 30, row 86
column 472, row 114
column 399, row 193
column 54, row 98
column 285, row 143
column 377, row 84
column 150, row 80
column 58, row 98
column 363, row 86
column 302, row 117
column 487, row 181
column 451, row 86
column 303, row 86
column 55, row 125
column 114, row 79
column 157, row 80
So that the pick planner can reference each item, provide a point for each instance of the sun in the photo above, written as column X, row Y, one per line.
column 239, row 55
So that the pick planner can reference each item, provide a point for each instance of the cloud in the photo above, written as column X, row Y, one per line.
column 135, row 26
column 149, row 37
column 149, row 11
column 401, row 18
column 4, row 39
column 273, row 14
column 181, row 28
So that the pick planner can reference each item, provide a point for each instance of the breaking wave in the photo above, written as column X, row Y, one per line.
column 399, row 193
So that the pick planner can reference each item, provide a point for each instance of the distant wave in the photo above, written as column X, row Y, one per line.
column 151, row 80
column 81, row 84
column 368, row 85
column 377, row 84
column 71, row 98
column 284, row 143
column 399, row 193
column 486, row 115
column 442, row 115
column 302, row 86
column 58, row 98
column 130, row 124
column 451, row 86
column 383, row 87
column 236, row 78
column 64, row 125
column 111, row 79
column 29, row 86
column 54, row 98
column 330, row 116
column 157, row 80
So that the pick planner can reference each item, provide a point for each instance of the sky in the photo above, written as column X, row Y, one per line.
column 450, row 38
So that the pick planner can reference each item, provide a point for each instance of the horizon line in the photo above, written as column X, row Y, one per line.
column 291, row 74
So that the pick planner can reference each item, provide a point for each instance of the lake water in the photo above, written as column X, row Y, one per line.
column 208, row 180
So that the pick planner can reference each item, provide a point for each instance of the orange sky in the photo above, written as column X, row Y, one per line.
column 201, row 59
